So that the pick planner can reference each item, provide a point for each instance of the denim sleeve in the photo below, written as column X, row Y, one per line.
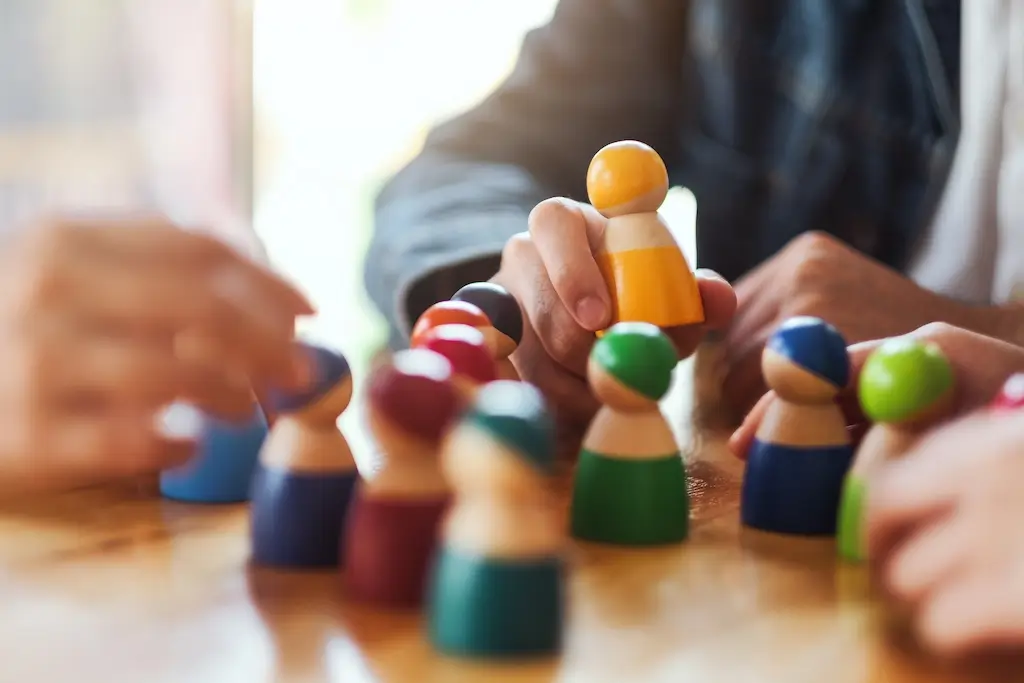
column 599, row 71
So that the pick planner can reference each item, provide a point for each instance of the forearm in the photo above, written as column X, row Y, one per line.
column 441, row 224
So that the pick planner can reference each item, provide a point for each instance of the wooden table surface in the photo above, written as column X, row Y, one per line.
column 115, row 585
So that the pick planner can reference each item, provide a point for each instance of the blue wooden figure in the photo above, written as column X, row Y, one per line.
column 802, row 450
column 222, row 469
column 306, row 473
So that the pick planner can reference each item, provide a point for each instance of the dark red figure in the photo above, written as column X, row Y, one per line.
column 393, row 523
column 466, row 349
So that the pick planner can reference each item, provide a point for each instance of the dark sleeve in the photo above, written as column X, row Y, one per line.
column 599, row 71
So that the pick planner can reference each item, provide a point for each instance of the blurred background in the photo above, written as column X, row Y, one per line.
column 271, row 118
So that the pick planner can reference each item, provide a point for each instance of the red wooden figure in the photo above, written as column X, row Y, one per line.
column 1011, row 396
column 393, row 523
column 466, row 349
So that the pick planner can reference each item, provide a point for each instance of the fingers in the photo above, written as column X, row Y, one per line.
column 128, row 299
column 934, row 554
column 926, row 480
column 983, row 609
column 980, row 364
column 568, row 394
column 54, row 449
column 719, row 301
column 566, row 234
column 743, row 437
column 554, row 326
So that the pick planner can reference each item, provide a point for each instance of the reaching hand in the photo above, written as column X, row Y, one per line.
column 104, row 322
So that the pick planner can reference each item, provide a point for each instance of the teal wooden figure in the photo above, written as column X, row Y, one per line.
column 222, row 469
column 496, row 590
column 630, row 482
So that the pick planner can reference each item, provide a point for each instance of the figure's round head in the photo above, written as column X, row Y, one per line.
column 505, row 441
column 626, row 177
column 631, row 366
column 1011, row 396
column 501, row 308
column 330, row 390
column 447, row 313
column 413, row 394
column 806, row 360
column 905, row 380
column 465, row 348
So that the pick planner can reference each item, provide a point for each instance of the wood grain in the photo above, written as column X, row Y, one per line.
column 114, row 585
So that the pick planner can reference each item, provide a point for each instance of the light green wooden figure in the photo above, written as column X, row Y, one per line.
column 905, row 386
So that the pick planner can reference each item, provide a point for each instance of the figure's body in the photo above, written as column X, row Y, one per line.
column 393, row 525
column 630, row 482
column 647, row 274
column 465, row 348
column 497, row 587
column 306, row 473
column 505, row 332
column 802, row 450
column 904, row 387
column 222, row 469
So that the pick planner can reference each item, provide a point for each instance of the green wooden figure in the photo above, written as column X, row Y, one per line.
column 630, row 482
column 496, row 590
column 905, row 385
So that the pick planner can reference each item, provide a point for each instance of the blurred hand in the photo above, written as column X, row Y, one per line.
column 551, row 270
column 102, row 323
column 819, row 276
column 944, row 531
column 980, row 365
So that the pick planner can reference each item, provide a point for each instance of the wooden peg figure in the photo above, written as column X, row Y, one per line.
column 447, row 313
column 1011, row 396
column 394, row 522
column 904, row 387
column 647, row 274
column 630, row 481
column 222, row 469
column 505, row 332
column 497, row 587
column 466, row 349
column 802, row 450
column 306, row 472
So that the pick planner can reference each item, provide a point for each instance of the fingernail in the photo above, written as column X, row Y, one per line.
column 591, row 312
column 709, row 274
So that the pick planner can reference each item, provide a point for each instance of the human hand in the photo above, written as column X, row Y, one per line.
column 817, row 275
column 94, row 320
column 552, row 271
column 944, row 533
column 980, row 365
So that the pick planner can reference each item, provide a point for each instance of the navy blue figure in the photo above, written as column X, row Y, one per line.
column 800, row 455
column 306, row 473
column 222, row 469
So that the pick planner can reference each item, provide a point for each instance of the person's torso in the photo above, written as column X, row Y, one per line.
column 831, row 116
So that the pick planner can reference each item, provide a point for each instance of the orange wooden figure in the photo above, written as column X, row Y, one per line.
column 393, row 523
column 448, row 313
column 647, row 274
